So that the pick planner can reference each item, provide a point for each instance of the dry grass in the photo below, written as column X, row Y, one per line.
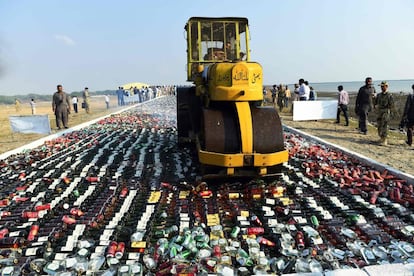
column 10, row 140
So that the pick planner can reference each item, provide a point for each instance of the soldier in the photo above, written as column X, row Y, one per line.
column 383, row 103
column 281, row 94
column 85, row 96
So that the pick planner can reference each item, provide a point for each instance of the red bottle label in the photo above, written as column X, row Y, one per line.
column 255, row 230
column 42, row 207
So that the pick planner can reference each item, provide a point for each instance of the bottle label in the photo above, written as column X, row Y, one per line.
column 43, row 239
column 14, row 234
column 183, row 194
column 286, row 201
column 31, row 251
column 138, row 244
column 244, row 223
column 154, row 197
column 133, row 256
column 213, row 219
column 245, row 214
column 61, row 256
column 53, row 266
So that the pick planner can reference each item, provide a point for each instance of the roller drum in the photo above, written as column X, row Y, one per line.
column 221, row 131
column 267, row 130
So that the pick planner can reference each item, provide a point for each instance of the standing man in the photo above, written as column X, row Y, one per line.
column 384, row 103
column 281, row 94
column 75, row 103
column 61, row 107
column 288, row 95
column 296, row 92
column 107, row 101
column 363, row 104
column 343, row 101
column 304, row 90
column 17, row 105
column 408, row 117
column 86, row 100
column 274, row 94
column 312, row 94
column 264, row 95
column 118, row 93
column 33, row 106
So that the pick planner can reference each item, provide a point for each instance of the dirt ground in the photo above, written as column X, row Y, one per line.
column 396, row 154
column 10, row 140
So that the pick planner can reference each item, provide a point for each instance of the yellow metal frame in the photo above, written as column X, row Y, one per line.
column 240, row 81
column 199, row 20
column 246, row 126
column 236, row 160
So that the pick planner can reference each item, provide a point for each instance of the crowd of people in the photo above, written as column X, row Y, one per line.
column 145, row 93
column 62, row 103
column 383, row 103
column 282, row 96
column 366, row 101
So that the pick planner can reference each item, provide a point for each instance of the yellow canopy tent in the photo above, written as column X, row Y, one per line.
column 131, row 85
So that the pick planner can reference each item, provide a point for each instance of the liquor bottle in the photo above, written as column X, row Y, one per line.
column 111, row 250
column 37, row 265
column 96, row 263
column 10, row 242
column 149, row 262
column 52, row 268
column 119, row 253
column 253, row 230
column 300, row 242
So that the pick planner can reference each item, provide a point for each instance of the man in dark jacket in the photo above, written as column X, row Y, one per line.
column 363, row 104
column 408, row 117
column 61, row 107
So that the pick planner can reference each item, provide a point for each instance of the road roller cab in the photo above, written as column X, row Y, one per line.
column 221, row 112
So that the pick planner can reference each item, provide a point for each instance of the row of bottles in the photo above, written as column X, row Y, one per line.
column 121, row 198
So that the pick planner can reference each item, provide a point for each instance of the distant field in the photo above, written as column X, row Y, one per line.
column 10, row 140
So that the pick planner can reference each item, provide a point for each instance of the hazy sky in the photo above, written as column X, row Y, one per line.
column 103, row 44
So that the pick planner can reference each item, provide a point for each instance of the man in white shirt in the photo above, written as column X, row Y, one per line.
column 75, row 103
column 33, row 106
column 107, row 101
column 304, row 90
column 343, row 101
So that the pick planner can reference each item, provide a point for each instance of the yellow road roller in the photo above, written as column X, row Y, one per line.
column 221, row 112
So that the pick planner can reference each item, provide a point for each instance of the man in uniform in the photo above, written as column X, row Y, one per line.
column 363, row 104
column 61, row 107
column 86, row 99
column 383, row 103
